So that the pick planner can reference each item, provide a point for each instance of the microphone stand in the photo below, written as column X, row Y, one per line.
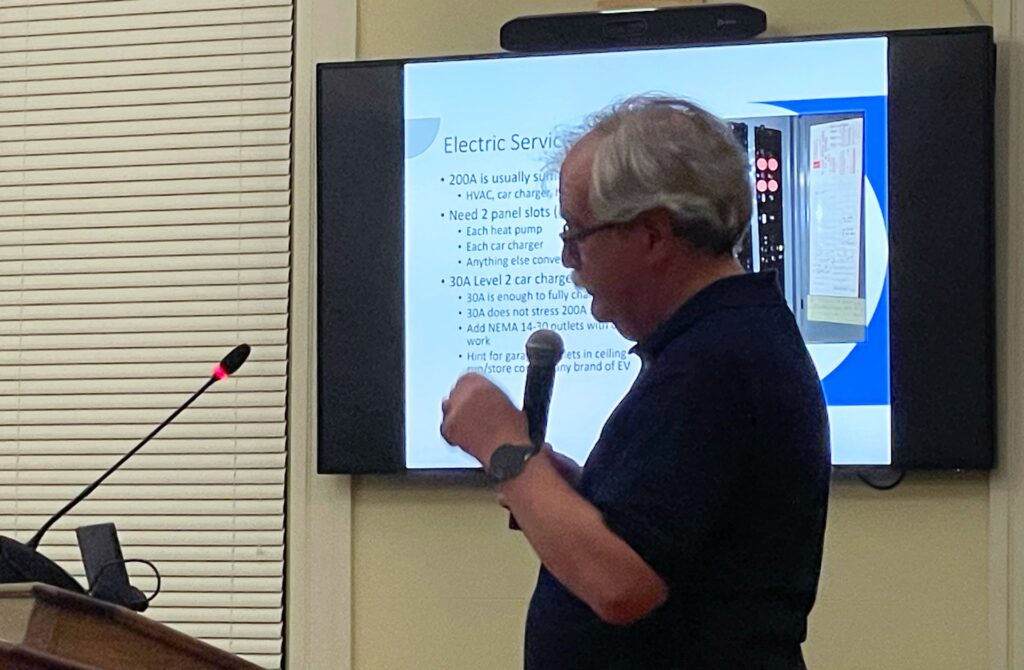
column 34, row 542
column 24, row 563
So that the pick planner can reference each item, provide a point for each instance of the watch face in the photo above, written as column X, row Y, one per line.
column 507, row 461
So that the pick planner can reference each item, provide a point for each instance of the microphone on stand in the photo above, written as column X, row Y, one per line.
column 23, row 563
column 544, row 348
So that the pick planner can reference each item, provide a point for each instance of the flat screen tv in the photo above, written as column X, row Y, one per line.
column 438, row 249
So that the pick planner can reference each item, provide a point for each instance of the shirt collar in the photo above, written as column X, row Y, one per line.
column 745, row 290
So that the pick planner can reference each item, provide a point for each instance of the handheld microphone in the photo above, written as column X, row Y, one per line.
column 544, row 349
column 23, row 563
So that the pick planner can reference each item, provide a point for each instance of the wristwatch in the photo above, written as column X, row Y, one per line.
column 508, row 461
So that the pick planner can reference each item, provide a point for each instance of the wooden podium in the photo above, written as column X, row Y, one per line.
column 46, row 628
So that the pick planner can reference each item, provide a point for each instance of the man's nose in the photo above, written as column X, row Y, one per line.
column 568, row 257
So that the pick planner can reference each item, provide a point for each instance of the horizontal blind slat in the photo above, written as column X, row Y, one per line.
column 239, row 323
column 72, row 25
column 70, row 556
column 145, row 357
column 123, row 329
column 122, row 295
column 150, row 81
column 144, row 233
column 142, row 264
column 170, row 217
column 195, row 415
column 129, row 476
column 222, row 570
column 107, row 508
column 223, row 338
column 146, row 157
column 152, row 309
column 148, row 460
column 225, row 139
column 148, row 288
column 263, row 660
column 113, row 248
column 125, row 492
column 243, row 632
column 176, row 523
column 102, row 190
column 144, row 36
column 197, row 617
column 251, row 538
column 48, row 9
column 48, row 275
column 185, row 584
column 107, row 54
column 235, row 603
column 231, row 62
column 146, row 127
column 119, row 431
column 168, row 402
column 162, row 445
column 136, row 113
column 138, row 173
column 149, row 203
column 135, row 357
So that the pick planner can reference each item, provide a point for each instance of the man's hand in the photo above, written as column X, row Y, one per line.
column 478, row 418
column 565, row 466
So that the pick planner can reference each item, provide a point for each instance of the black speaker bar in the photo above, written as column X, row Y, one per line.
column 665, row 26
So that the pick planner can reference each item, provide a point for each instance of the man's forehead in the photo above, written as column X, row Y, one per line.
column 577, row 162
column 583, row 149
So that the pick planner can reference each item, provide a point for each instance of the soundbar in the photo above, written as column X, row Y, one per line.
column 665, row 26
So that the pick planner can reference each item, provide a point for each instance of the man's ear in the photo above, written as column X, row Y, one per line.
column 658, row 224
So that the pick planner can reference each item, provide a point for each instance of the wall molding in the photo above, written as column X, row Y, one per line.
column 319, row 508
column 1006, row 489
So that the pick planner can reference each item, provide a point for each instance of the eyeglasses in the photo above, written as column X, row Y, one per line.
column 571, row 237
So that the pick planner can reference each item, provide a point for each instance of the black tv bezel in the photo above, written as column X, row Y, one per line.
column 360, row 324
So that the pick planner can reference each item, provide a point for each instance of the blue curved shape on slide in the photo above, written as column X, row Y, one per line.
column 419, row 135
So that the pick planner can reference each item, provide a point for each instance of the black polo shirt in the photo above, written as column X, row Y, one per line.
column 715, row 469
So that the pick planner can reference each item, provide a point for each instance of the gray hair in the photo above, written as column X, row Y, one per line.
column 659, row 151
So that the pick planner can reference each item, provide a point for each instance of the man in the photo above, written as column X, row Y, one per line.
column 693, row 536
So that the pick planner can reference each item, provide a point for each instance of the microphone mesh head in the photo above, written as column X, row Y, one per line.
column 544, row 348
column 234, row 359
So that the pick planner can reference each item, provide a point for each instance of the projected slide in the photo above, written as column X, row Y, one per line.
column 482, row 253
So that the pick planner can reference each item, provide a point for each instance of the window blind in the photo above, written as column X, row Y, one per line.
column 144, row 231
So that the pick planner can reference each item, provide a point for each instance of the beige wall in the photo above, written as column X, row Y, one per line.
column 405, row 28
column 439, row 582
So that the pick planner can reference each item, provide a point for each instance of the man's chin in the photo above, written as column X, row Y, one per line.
column 601, row 314
column 598, row 310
